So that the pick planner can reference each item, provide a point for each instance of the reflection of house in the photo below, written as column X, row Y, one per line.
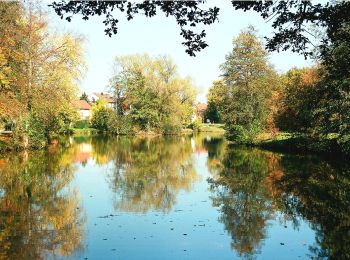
column 102, row 96
column 200, row 111
column 84, row 109
column 83, row 153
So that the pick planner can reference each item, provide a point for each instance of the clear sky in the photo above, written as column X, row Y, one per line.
column 159, row 35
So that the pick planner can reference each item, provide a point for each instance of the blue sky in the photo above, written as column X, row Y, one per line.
column 160, row 35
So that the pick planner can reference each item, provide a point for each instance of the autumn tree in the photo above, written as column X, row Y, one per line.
column 249, row 80
column 297, row 99
column 10, row 58
column 45, row 69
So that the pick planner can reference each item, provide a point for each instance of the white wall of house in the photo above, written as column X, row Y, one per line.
column 85, row 114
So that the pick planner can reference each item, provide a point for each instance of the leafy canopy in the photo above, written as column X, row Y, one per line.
column 291, row 20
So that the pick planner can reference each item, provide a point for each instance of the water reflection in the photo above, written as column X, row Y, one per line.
column 245, row 203
column 39, row 215
column 251, row 187
column 319, row 191
column 148, row 174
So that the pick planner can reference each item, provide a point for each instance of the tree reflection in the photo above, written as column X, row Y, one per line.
column 251, row 186
column 39, row 215
column 319, row 191
column 216, row 147
column 149, row 172
column 244, row 201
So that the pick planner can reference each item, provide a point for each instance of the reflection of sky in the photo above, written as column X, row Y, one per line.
column 160, row 35
column 149, row 236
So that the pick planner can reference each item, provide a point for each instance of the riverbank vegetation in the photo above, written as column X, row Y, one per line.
column 310, row 104
column 150, row 97
column 40, row 68
column 39, row 74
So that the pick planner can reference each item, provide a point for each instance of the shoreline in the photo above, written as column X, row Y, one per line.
column 300, row 144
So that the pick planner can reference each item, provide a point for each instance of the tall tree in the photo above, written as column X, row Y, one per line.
column 332, row 108
column 11, row 29
column 45, row 67
column 250, row 79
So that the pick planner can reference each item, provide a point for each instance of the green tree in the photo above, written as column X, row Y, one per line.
column 155, row 96
column 332, row 107
column 102, row 116
column 85, row 97
column 216, row 102
column 249, row 80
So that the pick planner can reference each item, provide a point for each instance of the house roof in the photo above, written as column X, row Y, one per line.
column 201, row 107
column 82, row 105
column 108, row 98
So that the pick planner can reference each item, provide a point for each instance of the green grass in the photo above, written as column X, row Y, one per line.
column 212, row 128
column 297, row 142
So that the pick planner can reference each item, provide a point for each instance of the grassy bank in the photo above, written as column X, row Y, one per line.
column 211, row 128
column 296, row 142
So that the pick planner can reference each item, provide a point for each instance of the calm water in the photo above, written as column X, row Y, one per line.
column 171, row 198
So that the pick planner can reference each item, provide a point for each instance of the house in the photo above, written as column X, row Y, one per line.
column 200, row 111
column 110, row 101
column 84, row 109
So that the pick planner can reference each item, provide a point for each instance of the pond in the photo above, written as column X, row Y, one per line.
column 102, row 197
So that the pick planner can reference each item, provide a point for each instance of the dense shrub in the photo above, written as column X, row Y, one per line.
column 170, row 127
column 237, row 133
column 102, row 118
column 195, row 124
column 82, row 124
